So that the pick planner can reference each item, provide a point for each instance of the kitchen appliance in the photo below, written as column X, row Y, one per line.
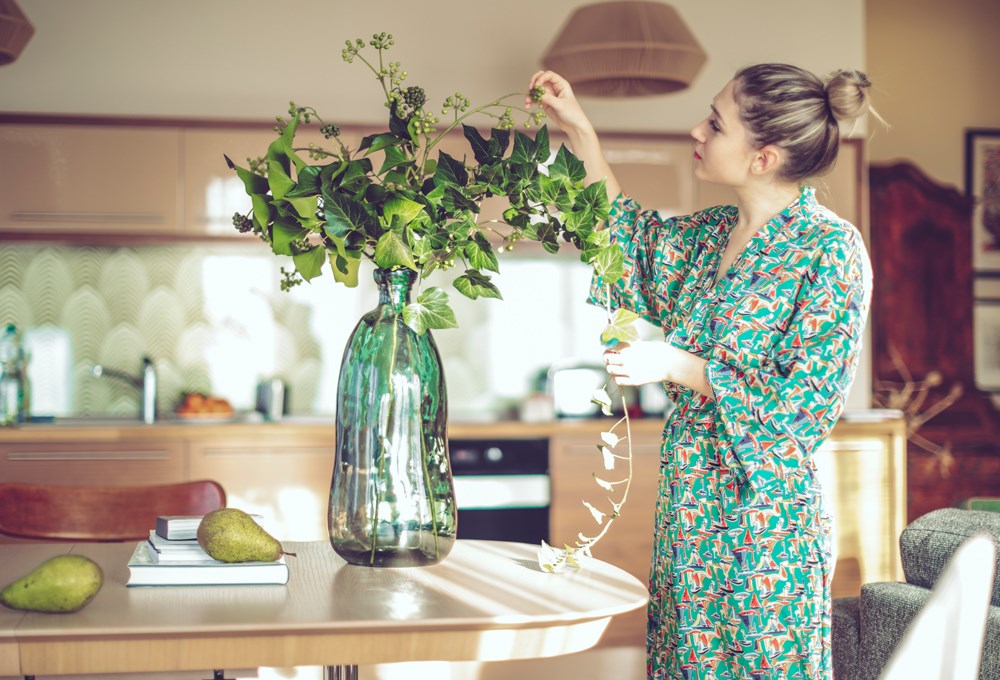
column 272, row 399
column 572, row 384
column 502, row 488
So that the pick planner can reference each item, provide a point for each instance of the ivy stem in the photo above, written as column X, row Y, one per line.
column 498, row 102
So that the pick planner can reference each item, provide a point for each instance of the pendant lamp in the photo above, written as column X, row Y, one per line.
column 625, row 49
column 15, row 31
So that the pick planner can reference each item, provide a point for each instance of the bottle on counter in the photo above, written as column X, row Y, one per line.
column 13, row 378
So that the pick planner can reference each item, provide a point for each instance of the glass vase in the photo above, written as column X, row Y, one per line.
column 392, row 498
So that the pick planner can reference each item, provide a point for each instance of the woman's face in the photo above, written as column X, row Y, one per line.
column 722, row 150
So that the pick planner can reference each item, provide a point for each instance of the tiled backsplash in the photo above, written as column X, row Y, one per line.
column 213, row 319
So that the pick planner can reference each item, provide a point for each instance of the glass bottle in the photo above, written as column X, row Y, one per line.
column 392, row 498
column 12, row 378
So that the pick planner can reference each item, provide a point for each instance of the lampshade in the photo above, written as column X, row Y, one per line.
column 625, row 49
column 15, row 31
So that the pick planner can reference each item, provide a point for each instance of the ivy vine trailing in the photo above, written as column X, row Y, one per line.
column 390, row 201
column 620, row 329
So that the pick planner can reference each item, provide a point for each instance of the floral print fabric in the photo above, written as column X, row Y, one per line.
column 741, row 567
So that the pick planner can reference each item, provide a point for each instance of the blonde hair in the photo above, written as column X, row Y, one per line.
column 793, row 109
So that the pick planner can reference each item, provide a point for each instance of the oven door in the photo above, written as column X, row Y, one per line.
column 502, row 489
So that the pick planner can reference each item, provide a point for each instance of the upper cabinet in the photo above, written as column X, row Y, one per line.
column 89, row 179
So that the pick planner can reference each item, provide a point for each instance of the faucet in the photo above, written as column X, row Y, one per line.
column 145, row 383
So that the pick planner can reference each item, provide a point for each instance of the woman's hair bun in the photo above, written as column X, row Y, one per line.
column 847, row 95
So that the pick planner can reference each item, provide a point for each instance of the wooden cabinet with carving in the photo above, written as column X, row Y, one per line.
column 89, row 179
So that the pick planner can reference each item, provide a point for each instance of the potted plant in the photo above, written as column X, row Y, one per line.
column 411, row 209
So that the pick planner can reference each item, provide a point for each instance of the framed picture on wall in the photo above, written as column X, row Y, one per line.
column 986, row 332
column 982, row 184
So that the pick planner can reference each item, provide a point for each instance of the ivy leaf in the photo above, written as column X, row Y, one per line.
column 620, row 328
column 474, row 284
column 283, row 233
column 391, row 252
column 431, row 310
column 304, row 206
column 278, row 179
column 524, row 150
column 450, row 171
column 480, row 253
column 377, row 142
column 595, row 513
column 394, row 156
column 609, row 458
column 480, row 147
column 601, row 398
column 566, row 166
column 253, row 183
column 344, row 263
column 610, row 439
column 403, row 207
column 604, row 484
column 310, row 263
column 609, row 264
column 344, row 215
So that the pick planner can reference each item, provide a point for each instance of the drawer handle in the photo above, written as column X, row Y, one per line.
column 144, row 218
column 88, row 455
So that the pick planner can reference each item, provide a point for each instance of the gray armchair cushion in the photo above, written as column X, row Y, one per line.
column 928, row 543
column 886, row 611
column 846, row 634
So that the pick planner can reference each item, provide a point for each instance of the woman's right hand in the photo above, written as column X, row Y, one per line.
column 559, row 103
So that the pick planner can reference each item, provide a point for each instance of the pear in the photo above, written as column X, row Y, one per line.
column 231, row 535
column 63, row 584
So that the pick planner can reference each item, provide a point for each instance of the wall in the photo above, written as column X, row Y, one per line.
column 934, row 66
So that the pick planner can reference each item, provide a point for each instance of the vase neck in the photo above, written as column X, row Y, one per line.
column 394, row 287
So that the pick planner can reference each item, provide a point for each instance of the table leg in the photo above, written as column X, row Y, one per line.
column 340, row 673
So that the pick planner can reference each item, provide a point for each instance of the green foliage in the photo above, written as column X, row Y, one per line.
column 391, row 202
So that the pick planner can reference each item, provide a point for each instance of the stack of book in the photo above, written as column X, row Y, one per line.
column 172, row 556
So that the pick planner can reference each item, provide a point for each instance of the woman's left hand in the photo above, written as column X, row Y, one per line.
column 639, row 362
column 649, row 361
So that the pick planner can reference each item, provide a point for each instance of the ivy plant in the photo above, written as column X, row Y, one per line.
column 400, row 202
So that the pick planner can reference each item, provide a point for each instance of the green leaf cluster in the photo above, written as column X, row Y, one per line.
column 400, row 202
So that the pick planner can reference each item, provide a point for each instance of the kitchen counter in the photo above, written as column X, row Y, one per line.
column 100, row 429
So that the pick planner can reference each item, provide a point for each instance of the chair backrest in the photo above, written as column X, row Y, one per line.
column 107, row 513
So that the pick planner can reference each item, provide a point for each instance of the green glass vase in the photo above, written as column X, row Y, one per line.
column 392, row 497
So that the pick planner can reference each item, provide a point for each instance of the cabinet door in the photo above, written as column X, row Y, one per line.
column 89, row 179
column 628, row 544
column 284, row 478
column 864, row 482
column 213, row 192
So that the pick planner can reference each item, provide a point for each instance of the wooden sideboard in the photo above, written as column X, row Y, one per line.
column 283, row 470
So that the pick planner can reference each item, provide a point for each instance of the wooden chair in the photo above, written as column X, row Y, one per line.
column 106, row 513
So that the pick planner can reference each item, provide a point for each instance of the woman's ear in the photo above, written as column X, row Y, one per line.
column 766, row 160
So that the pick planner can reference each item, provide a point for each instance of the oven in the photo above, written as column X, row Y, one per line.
column 502, row 488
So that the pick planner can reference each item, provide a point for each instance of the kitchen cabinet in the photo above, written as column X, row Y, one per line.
column 93, row 461
column 573, row 461
column 284, row 479
column 212, row 191
column 862, row 468
column 89, row 179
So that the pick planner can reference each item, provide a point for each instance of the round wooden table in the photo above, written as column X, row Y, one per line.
column 487, row 601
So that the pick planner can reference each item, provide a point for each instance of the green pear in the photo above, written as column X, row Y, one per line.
column 63, row 584
column 231, row 535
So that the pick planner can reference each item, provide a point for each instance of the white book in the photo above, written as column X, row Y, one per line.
column 183, row 527
column 143, row 571
column 186, row 553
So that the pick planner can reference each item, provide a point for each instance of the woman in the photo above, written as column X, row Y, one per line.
column 764, row 305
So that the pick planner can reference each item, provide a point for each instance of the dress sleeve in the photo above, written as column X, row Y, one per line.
column 771, row 419
column 657, row 256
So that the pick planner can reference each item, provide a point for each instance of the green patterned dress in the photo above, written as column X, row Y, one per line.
column 741, row 566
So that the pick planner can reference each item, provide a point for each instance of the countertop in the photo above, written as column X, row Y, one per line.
column 111, row 429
